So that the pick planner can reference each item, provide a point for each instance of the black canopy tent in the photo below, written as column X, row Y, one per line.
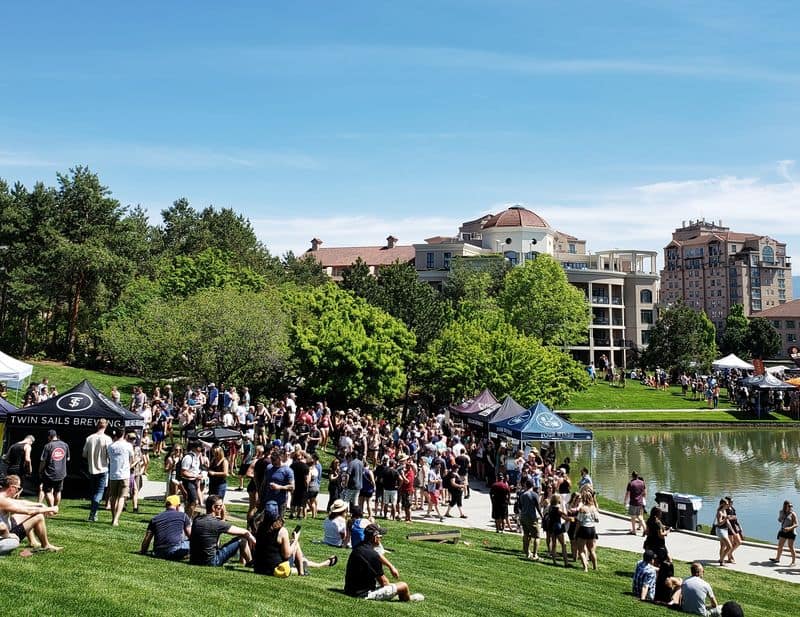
column 74, row 416
column 5, row 407
column 760, row 386
column 508, row 409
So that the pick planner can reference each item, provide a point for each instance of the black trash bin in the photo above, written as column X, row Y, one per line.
column 687, row 507
column 666, row 501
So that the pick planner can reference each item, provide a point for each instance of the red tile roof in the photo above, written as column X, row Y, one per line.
column 372, row 255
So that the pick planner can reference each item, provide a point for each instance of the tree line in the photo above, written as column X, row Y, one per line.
column 197, row 297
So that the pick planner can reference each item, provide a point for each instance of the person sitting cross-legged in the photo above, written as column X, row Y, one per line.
column 365, row 578
column 20, row 518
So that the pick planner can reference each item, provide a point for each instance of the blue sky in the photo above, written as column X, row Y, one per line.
column 349, row 121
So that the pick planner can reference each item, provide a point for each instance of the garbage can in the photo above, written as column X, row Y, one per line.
column 687, row 507
column 666, row 502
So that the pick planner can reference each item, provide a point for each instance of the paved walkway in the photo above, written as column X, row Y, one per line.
column 687, row 546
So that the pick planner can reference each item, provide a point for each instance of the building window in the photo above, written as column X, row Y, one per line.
column 572, row 248
column 791, row 337
column 768, row 255
column 429, row 261
column 790, row 324
column 646, row 316
column 645, row 337
column 646, row 296
column 446, row 261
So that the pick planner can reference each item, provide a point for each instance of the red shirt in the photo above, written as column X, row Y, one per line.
column 408, row 485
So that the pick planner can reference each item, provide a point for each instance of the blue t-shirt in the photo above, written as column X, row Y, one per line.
column 280, row 475
column 167, row 528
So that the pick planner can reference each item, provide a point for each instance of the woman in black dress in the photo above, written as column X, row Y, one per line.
column 656, row 531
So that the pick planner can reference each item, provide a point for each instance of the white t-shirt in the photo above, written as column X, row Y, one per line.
column 333, row 530
column 120, row 455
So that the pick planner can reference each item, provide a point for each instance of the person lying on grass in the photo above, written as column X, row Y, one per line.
column 20, row 518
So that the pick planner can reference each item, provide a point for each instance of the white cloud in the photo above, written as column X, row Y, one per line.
column 785, row 169
column 23, row 159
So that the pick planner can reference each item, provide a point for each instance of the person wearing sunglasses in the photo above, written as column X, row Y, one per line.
column 20, row 518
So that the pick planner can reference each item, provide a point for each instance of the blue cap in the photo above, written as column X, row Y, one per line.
column 277, row 443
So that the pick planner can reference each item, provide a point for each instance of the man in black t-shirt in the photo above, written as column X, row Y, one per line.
column 365, row 578
column 391, row 484
column 204, row 549
column 53, row 467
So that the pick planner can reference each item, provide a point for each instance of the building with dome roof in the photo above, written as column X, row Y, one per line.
column 621, row 286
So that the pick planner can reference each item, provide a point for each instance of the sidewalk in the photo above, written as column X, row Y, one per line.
column 687, row 546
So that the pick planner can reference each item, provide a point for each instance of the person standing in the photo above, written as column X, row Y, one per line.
column 120, row 458
column 530, row 513
column 735, row 531
column 95, row 451
column 53, row 467
column 19, row 458
column 635, row 498
column 499, row 495
column 787, row 518
column 723, row 531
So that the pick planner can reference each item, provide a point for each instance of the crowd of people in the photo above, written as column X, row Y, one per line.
column 380, row 469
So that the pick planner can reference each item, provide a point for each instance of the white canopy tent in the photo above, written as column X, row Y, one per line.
column 14, row 372
column 775, row 370
column 732, row 361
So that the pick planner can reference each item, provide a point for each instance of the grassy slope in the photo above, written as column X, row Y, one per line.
column 64, row 377
column 654, row 406
column 100, row 574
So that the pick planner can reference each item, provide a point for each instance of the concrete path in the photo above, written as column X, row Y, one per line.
column 751, row 558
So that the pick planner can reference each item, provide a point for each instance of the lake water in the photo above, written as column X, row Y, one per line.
column 758, row 468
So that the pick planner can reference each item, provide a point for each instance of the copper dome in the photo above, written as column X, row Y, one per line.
column 516, row 216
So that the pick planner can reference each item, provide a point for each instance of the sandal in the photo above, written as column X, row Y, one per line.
column 333, row 560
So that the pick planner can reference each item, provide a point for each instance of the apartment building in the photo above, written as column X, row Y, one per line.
column 711, row 268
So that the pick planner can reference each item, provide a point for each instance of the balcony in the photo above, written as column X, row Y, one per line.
column 600, row 321
column 617, row 301
column 599, row 299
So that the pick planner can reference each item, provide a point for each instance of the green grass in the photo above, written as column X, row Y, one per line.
column 634, row 395
column 100, row 574
column 65, row 377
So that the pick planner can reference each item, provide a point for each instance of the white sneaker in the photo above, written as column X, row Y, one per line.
column 416, row 597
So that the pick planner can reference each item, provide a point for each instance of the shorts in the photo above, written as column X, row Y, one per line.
column 158, row 436
column 586, row 533
column 118, row 488
column 52, row 485
column 531, row 528
column 382, row 594
column 190, row 486
column 405, row 500
column 311, row 495
column 456, row 498
column 635, row 510
column 389, row 497
column 433, row 497
column 243, row 469
column 18, row 530
column 722, row 533
column 789, row 535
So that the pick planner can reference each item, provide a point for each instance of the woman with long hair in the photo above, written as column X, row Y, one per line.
column 218, row 473
column 554, row 519
column 275, row 547
column 722, row 531
column 787, row 517
column 334, row 486
column 735, row 532
column 655, row 531
column 586, row 535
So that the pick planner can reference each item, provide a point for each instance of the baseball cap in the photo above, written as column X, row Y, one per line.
column 173, row 500
column 372, row 530
column 51, row 433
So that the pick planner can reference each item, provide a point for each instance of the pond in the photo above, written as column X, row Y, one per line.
column 758, row 468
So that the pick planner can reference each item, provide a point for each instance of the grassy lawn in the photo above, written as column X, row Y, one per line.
column 100, row 574
column 603, row 395
column 64, row 377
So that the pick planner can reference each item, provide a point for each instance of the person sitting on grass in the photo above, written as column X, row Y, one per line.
column 364, row 577
column 20, row 518
column 695, row 591
column 171, row 530
column 278, row 554
column 204, row 549
column 644, row 577
column 335, row 526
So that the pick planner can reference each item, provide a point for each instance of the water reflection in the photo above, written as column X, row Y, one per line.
column 758, row 468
